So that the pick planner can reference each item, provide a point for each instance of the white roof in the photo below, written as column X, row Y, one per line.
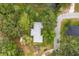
column 38, row 25
column 38, row 39
column 36, row 32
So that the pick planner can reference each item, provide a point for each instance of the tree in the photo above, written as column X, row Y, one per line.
column 17, row 19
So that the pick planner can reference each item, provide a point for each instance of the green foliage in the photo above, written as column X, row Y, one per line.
column 43, row 14
column 69, row 44
column 8, row 47
column 16, row 20
column 28, row 40
column 77, row 7
column 69, row 47
column 10, row 28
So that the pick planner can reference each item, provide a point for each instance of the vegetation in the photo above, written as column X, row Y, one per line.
column 63, row 8
column 77, row 7
column 69, row 45
column 16, row 20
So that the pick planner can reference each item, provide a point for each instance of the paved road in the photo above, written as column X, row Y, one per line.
column 57, row 29
column 70, row 14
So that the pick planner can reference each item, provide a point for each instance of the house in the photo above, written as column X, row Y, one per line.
column 36, row 32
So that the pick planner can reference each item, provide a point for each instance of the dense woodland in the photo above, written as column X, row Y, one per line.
column 16, row 21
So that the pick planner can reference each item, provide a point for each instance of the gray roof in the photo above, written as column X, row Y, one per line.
column 73, row 30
